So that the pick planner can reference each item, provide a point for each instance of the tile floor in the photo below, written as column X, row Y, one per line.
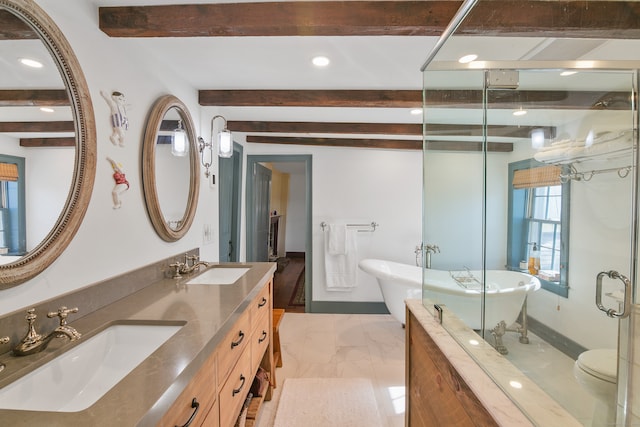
column 372, row 346
column 552, row 371
column 343, row 345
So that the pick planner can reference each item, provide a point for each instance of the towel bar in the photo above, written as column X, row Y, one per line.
column 372, row 226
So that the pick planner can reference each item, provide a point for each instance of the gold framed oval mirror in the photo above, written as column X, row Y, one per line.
column 58, row 153
column 170, row 168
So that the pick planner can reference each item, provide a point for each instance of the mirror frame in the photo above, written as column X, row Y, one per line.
column 49, row 249
column 156, row 115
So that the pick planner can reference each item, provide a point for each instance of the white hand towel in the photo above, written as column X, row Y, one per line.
column 337, row 237
column 341, row 270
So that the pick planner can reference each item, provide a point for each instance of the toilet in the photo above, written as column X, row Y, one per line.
column 596, row 371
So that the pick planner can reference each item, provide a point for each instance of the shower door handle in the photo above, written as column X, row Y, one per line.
column 612, row 274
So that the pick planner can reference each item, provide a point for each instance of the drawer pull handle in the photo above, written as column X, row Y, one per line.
column 195, row 405
column 237, row 390
column 263, row 337
column 263, row 302
column 237, row 343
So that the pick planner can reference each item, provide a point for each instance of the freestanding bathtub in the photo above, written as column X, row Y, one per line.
column 460, row 291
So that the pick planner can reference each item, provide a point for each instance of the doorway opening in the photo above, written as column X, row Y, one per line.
column 284, row 207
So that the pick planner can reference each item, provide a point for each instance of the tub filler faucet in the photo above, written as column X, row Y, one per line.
column 33, row 342
column 428, row 250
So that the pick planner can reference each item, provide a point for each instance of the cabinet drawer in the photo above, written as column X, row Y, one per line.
column 213, row 417
column 261, row 303
column 260, row 340
column 234, row 392
column 232, row 346
column 203, row 389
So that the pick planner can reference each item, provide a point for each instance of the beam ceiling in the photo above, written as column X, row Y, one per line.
column 382, row 143
column 13, row 28
column 593, row 19
column 312, row 18
column 409, row 129
column 534, row 18
column 34, row 97
column 531, row 99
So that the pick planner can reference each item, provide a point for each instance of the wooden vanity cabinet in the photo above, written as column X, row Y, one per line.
column 203, row 389
column 244, row 359
column 223, row 383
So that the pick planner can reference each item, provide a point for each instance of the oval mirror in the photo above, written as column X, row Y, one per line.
column 48, row 140
column 170, row 168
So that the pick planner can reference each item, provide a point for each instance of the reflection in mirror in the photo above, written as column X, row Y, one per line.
column 169, row 168
column 172, row 168
column 46, row 166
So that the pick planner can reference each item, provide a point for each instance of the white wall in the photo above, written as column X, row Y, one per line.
column 361, row 186
column 112, row 241
column 296, row 214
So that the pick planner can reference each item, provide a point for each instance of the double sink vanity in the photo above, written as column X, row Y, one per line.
column 177, row 351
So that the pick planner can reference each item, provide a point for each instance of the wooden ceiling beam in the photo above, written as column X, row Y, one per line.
column 312, row 98
column 432, row 129
column 498, row 99
column 561, row 18
column 494, row 147
column 312, row 18
column 49, row 126
column 324, row 127
column 48, row 142
column 14, row 28
column 338, row 142
column 34, row 97
column 394, row 144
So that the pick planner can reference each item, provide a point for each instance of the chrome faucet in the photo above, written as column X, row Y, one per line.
column 428, row 250
column 190, row 264
column 34, row 342
column 195, row 263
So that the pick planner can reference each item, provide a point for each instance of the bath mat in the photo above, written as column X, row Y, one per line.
column 327, row 402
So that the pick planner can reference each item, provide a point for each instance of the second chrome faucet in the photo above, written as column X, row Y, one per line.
column 34, row 342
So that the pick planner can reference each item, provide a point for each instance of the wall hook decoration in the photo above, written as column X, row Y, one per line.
column 121, row 183
column 119, row 119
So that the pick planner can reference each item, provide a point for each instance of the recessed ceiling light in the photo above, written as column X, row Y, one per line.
column 567, row 73
column 416, row 111
column 320, row 61
column 46, row 109
column 31, row 63
column 468, row 58
column 520, row 112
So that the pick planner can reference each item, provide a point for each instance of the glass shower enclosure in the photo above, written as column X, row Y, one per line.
column 530, row 210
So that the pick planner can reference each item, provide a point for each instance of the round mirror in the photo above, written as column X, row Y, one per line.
column 48, row 140
column 170, row 168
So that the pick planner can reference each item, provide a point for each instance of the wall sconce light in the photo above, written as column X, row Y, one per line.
column 179, row 146
column 225, row 145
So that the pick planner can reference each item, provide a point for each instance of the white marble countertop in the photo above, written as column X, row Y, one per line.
column 488, row 374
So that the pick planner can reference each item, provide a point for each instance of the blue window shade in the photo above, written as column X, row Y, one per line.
column 518, row 229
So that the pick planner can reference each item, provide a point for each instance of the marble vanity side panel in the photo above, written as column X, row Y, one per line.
column 503, row 410
column 488, row 374
column 87, row 299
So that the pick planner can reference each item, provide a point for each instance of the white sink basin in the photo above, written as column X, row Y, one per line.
column 76, row 379
column 218, row 276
